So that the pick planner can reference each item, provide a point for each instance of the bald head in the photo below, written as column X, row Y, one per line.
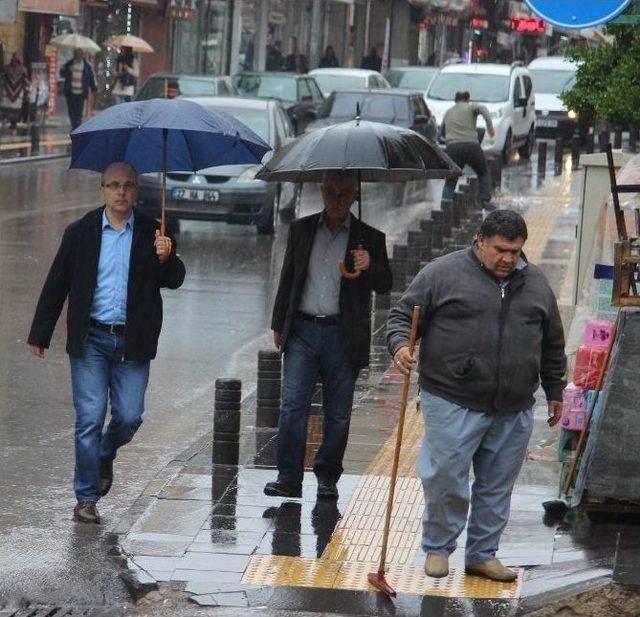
column 121, row 167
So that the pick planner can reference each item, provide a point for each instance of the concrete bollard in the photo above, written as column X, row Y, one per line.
column 557, row 155
column 474, row 191
column 456, row 210
column 603, row 140
column 437, row 234
column 542, row 157
column 269, row 388
column 617, row 139
column 633, row 139
column 446, row 207
column 414, row 251
column 426, row 231
column 494, row 165
column 226, row 421
column 575, row 152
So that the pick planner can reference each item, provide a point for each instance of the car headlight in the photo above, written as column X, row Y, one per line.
column 496, row 114
column 249, row 175
column 572, row 114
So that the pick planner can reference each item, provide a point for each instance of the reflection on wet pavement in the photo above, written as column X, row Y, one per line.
column 290, row 549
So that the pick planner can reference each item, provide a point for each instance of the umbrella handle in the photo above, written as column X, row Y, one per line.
column 350, row 275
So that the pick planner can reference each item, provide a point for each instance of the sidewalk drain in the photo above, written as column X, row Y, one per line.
column 39, row 610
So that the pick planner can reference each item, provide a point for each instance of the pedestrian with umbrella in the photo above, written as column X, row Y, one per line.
column 125, row 76
column 111, row 266
column 79, row 81
column 321, row 315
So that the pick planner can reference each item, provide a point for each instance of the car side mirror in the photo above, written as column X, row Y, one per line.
column 420, row 119
column 522, row 102
column 307, row 98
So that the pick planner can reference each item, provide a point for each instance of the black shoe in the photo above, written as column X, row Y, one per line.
column 327, row 489
column 282, row 489
column 106, row 477
column 86, row 512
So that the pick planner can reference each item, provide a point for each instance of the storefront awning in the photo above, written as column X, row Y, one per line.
column 55, row 7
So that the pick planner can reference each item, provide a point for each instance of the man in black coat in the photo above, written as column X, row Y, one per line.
column 110, row 266
column 321, row 321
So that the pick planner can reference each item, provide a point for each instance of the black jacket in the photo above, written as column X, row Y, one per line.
column 74, row 272
column 482, row 347
column 355, row 294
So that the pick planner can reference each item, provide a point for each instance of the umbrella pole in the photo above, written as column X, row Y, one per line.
column 164, row 182
column 343, row 269
column 377, row 579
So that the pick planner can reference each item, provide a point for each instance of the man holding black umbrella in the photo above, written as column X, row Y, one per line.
column 321, row 322
column 111, row 266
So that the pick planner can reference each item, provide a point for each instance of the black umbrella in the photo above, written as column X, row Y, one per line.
column 377, row 152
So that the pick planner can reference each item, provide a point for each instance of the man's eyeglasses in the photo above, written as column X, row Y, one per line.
column 116, row 186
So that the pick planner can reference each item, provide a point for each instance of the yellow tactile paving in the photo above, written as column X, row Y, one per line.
column 354, row 548
column 355, row 545
column 411, row 442
column 350, row 575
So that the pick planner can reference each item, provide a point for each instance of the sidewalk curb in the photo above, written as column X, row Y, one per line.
column 34, row 159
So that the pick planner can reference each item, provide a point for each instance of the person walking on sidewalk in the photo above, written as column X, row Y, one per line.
column 490, row 333
column 463, row 146
column 111, row 266
column 321, row 322
column 79, row 80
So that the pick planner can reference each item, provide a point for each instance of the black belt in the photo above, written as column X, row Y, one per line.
column 323, row 320
column 109, row 327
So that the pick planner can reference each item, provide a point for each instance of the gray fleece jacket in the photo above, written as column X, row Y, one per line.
column 483, row 346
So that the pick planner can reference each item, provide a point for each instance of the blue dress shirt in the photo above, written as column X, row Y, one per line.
column 110, row 296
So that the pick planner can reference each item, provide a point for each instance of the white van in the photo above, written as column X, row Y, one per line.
column 505, row 90
column 551, row 76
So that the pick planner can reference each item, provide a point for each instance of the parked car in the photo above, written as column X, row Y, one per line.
column 299, row 94
column 229, row 193
column 332, row 79
column 405, row 109
column 171, row 85
column 506, row 90
column 412, row 77
column 551, row 76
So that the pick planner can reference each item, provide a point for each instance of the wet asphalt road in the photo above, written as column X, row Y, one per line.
column 213, row 327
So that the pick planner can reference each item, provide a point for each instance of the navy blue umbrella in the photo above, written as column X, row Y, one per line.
column 164, row 135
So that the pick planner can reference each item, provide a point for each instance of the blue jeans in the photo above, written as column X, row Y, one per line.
column 314, row 350
column 455, row 438
column 102, row 374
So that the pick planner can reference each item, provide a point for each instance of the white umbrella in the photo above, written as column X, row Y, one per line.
column 76, row 41
column 128, row 40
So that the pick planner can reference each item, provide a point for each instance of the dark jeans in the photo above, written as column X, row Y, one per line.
column 75, row 106
column 471, row 154
column 314, row 350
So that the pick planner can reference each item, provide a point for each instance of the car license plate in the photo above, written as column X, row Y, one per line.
column 551, row 124
column 194, row 194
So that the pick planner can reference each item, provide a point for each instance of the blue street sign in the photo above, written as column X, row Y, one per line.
column 578, row 13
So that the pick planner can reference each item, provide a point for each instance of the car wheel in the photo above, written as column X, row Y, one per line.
column 269, row 226
column 525, row 151
column 507, row 148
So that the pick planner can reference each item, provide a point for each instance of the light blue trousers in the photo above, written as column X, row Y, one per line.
column 456, row 438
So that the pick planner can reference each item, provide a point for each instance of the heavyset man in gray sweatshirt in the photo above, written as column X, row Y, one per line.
column 463, row 145
column 490, row 334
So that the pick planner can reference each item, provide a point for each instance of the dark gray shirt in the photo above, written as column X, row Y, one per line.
column 321, row 293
